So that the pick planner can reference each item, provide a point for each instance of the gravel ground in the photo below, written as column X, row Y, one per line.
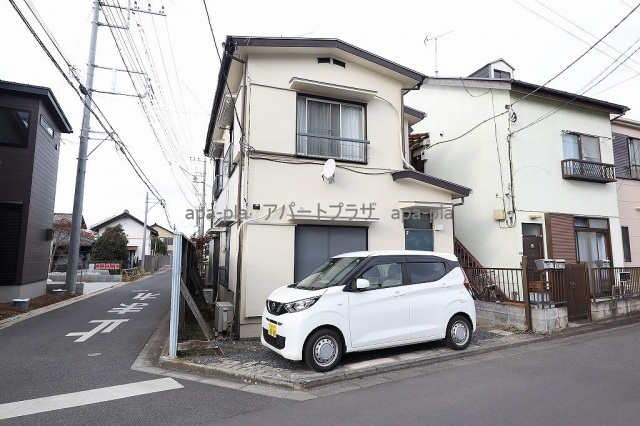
column 250, row 350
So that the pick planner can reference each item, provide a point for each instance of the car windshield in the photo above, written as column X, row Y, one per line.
column 329, row 273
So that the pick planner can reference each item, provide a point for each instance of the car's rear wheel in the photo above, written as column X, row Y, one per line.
column 323, row 350
column 459, row 332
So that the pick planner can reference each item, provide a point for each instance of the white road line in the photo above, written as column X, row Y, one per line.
column 77, row 399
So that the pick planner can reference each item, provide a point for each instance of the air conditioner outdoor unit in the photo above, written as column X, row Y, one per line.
column 223, row 316
column 624, row 276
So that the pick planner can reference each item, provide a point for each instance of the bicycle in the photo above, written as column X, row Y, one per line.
column 489, row 292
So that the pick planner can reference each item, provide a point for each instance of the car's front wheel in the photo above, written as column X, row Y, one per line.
column 459, row 332
column 323, row 350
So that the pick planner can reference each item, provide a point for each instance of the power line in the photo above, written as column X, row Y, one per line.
column 579, row 57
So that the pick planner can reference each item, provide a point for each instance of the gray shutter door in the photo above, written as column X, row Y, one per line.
column 621, row 155
column 316, row 244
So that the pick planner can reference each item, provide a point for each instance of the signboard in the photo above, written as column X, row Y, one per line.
column 107, row 266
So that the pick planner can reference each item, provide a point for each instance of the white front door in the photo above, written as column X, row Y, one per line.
column 380, row 315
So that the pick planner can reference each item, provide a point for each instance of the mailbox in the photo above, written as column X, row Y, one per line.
column 559, row 264
column 542, row 264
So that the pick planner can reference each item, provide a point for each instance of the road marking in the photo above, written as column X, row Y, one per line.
column 145, row 296
column 106, row 326
column 134, row 307
column 93, row 396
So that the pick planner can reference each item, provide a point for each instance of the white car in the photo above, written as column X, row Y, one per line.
column 370, row 300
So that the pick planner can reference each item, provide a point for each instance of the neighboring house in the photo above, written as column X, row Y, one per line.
column 324, row 133
column 540, row 162
column 60, row 243
column 626, row 149
column 133, row 228
column 31, row 122
column 166, row 236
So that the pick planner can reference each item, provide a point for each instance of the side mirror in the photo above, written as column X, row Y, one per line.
column 362, row 284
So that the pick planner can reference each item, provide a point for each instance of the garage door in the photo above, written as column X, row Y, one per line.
column 315, row 244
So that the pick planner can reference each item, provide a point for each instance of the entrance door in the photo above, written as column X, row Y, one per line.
column 532, row 246
column 316, row 244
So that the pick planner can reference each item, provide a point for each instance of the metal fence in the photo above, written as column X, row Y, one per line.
column 614, row 282
column 546, row 288
column 496, row 284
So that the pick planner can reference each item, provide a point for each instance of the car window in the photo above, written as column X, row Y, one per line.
column 329, row 273
column 384, row 275
column 426, row 272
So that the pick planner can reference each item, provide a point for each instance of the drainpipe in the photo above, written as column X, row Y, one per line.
column 238, row 298
column 404, row 91
column 453, row 221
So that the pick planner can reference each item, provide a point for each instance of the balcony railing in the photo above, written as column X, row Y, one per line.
column 345, row 149
column 588, row 171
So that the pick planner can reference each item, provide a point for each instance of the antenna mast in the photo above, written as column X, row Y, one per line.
column 435, row 38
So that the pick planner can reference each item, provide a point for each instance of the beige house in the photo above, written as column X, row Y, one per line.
column 310, row 141
column 626, row 149
column 540, row 161
column 166, row 236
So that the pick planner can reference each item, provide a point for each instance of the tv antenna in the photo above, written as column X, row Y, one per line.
column 435, row 39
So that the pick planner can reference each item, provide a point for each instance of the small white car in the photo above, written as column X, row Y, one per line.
column 370, row 300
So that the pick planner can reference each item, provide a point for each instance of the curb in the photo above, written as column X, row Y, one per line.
column 307, row 381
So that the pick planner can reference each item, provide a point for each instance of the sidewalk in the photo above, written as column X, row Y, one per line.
column 262, row 366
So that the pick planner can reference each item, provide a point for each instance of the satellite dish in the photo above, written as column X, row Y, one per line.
column 329, row 170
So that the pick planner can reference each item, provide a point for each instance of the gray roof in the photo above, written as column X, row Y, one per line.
column 46, row 95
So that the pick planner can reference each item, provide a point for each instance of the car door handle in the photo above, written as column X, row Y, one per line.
column 398, row 294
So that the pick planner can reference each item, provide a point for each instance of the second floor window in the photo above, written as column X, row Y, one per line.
column 14, row 127
column 634, row 157
column 581, row 147
column 331, row 129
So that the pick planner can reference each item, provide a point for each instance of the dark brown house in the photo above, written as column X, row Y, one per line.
column 31, row 122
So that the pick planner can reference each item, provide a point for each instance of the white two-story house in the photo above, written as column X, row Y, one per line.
column 540, row 162
column 310, row 138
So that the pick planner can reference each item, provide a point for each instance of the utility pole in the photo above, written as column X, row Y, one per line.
column 144, row 231
column 435, row 38
column 78, row 197
column 202, row 217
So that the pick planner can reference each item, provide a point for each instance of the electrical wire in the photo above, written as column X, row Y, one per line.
column 101, row 120
column 579, row 57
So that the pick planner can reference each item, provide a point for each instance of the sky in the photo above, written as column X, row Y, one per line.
column 164, row 125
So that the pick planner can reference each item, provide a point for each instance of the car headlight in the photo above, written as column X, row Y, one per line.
column 300, row 305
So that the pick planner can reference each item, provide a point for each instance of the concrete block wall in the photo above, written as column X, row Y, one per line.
column 542, row 320
column 613, row 308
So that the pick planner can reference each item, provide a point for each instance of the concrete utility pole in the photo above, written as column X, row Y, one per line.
column 202, row 217
column 78, row 198
column 144, row 231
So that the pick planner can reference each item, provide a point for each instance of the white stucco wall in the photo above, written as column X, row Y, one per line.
column 480, row 160
column 269, row 178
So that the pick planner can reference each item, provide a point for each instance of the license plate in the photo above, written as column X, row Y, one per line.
column 272, row 329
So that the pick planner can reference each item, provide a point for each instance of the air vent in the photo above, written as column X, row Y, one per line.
column 339, row 63
column 324, row 60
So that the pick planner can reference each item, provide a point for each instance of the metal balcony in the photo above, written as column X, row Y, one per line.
column 588, row 171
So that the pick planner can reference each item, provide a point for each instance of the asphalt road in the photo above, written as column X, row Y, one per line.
column 587, row 380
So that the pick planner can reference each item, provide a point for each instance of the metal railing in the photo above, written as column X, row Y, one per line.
column 495, row 284
column 346, row 149
column 546, row 288
column 588, row 171
column 614, row 282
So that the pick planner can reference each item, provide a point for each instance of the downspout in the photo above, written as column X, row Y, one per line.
column 238, row 298
column 404, row 91
column 453, row 220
